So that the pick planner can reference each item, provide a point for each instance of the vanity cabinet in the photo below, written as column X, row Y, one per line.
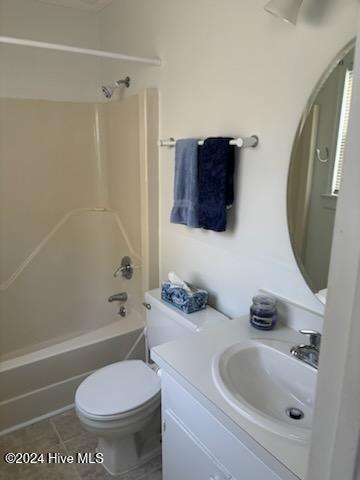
column 197, row 446
column 184, row 456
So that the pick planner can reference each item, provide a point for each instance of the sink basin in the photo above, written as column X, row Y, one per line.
column 268, row 386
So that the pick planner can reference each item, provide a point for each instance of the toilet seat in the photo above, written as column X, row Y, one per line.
column 118, row 390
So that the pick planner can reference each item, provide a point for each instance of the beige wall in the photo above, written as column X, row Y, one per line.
column 229, row 68
column 36, row 73
column 58, row 167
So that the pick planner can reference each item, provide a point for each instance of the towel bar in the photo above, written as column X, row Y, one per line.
column 248, row 142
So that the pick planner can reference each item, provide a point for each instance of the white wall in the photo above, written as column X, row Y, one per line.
column 41, row 74
column 230, row 68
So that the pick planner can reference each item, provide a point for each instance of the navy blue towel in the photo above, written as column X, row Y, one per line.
column 216, row 159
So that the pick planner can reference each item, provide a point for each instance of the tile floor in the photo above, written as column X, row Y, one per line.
column 62, row 434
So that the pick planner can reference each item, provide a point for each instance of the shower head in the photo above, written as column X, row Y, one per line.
column 108, row 91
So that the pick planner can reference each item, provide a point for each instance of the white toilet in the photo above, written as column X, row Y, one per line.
column 117, row 402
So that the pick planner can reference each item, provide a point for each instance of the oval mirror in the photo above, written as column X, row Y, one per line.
column 314, row 180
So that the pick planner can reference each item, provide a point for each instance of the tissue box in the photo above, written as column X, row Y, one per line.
column 187, row 302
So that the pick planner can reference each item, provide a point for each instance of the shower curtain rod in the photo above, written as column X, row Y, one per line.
column 247, row 142
column 84, row 51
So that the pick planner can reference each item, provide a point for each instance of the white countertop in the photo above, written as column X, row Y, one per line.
column 192, row 358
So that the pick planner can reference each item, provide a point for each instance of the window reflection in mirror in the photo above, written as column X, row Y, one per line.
column 315, row 173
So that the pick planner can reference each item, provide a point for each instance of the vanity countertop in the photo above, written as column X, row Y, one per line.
column 191, row 361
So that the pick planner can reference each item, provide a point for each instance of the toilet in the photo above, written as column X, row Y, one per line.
column 120, row 403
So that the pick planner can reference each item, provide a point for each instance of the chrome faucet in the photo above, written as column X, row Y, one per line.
column 309, row 353
column 122, row 298
column 118, row 297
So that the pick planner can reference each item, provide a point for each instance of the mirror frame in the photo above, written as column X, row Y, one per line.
column 324, row 77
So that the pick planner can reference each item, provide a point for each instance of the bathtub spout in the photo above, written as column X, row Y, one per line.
column 118, row 297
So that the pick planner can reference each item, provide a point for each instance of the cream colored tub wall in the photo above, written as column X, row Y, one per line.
column 64, row 291
column 123, row 164
column 149, row 186
column 47, row 169
column 58, row 249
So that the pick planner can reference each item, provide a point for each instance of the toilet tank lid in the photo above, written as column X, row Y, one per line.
column 196, row 321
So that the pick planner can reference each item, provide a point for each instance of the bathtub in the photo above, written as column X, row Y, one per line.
column 43, row 383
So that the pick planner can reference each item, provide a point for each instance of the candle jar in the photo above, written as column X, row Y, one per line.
column 263, row 314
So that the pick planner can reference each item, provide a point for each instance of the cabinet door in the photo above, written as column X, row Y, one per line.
column 184, row 457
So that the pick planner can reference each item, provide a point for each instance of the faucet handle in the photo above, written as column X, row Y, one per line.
column 314, row 337
column 126, row 268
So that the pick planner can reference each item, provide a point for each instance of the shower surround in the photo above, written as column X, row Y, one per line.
column 77, row 192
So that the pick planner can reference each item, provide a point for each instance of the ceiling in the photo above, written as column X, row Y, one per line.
column 90, row 5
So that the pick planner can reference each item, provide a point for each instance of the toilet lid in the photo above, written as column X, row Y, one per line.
column 117, row 388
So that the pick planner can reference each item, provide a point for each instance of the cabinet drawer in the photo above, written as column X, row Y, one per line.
column 239, row 460
column 184, row 457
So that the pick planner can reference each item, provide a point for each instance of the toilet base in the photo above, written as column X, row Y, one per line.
column 126, row 453
column 120, row 454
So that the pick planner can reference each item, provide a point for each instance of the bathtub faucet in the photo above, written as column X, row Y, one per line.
column 118, row 297
column 122, row 298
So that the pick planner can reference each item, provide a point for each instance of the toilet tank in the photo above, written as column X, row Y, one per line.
column 165, row 322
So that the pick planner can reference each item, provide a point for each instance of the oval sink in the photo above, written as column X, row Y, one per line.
column 268, row 386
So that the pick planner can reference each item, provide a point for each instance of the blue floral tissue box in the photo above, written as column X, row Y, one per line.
column 187, row 302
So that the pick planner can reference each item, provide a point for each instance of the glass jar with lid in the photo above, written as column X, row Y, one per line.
column 263, row 313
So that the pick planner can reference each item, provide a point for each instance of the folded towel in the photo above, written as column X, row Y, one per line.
column 215, row 182
column 185, row 209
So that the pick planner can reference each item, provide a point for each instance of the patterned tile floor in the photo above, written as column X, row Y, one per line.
column 62, row 434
